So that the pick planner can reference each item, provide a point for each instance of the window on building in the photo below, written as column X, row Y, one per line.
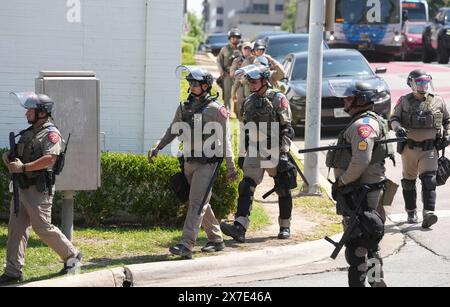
column 261, row 8
column 220, row 10
column 219, row 23
column 279, row 7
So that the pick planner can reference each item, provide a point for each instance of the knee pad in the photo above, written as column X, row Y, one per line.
column 409, row 185
column 428, row 181
column 247, row 187
column 285, row 206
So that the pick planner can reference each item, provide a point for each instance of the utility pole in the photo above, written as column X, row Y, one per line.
column 314, row 93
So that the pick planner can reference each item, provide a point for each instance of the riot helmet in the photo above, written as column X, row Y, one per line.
column 30, row 100
column 235, row 32
column 255, row 72
column 260, row 44
column 195, row 74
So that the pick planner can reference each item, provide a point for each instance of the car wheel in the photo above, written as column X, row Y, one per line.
column 443, row 56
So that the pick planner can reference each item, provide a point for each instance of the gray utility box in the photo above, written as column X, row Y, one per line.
column 76, row 112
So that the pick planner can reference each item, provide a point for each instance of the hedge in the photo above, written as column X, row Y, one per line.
column 191, row 40
column 132, row 186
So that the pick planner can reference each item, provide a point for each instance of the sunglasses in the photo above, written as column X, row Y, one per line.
column 194, row 83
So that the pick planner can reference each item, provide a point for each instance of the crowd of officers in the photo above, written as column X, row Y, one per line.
column 249, row 79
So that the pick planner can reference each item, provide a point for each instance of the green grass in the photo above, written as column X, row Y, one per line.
column 259, row 217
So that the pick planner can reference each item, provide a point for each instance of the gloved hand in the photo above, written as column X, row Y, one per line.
column 232, row 174
column 241, row 162
column 5, row 158
column 442, row 143
column 335, row 187
column 401, row 133
column 152, row 154
column 283, row 164
column 15, row 167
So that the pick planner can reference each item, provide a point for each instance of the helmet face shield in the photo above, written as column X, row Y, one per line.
column 422, row 85
column 252, row 72
column 190, row 73
column 28, row 100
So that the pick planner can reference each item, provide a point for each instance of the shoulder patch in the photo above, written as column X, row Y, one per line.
column 224, row 112
column 283, row 101
column 54, row 137
column 365, row 131
column 362, row 146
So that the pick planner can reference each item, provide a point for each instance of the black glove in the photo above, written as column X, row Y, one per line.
column 335, row 187
column 442, row 143
column 401, row 133
column 241, row 162
column 283, row 164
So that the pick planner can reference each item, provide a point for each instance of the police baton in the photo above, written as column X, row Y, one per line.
column 349, row 146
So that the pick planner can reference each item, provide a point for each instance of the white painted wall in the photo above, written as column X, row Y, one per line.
column 133, row 46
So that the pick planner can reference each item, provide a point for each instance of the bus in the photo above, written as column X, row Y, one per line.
column 370, row 26
column 416, row 10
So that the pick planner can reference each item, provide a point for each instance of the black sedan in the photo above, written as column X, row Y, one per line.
column 280, row 46
column 342, row 68
column 214, row 43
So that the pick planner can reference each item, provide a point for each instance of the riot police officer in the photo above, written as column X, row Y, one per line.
column 423, row 118
column 264, row 106
column 38, row 150
column 204, row 109
column 362, row 165
column 224, row 62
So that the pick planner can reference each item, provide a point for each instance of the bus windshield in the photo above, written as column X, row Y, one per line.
column 416, row 11
column 368, row 11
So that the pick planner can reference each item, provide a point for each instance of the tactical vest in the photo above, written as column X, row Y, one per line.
column 341, row 158
column 188, row 112
column 29, row 147
column 260, row 109
column 421, row 115
column 228, row 58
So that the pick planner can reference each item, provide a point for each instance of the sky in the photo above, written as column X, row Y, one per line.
column 195, row 6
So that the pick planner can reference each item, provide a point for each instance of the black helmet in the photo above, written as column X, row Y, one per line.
column 195, row 73
column 420, row 81
column 31, row 100
column 234, row 32
column 259, row 44
column 365, row 94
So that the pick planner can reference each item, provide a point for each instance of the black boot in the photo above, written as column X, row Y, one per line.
column 181, row 250
column 235, row 230
column 412, row 217
column 8, row 280
column 285, row 233
column 212, row 247
column 71, row 265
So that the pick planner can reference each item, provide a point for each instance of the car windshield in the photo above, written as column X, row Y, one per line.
column 335, row 67
column 280, row 49
column 217, row 39
column 416, row 29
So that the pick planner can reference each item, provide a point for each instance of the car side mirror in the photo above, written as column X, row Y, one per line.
column 381, row 70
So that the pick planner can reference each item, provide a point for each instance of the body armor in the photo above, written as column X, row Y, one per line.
column 421, row 114
column 341, row 158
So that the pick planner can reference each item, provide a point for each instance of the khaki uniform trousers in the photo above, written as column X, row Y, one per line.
column 199, row 175
column 227, row 85
column 416, row 162
column 35, row 212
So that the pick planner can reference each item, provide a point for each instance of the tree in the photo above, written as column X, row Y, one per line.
column 290, row 16
column 435, row 5
column 195, row 26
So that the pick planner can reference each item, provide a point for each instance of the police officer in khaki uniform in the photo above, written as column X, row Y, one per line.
column 423, row 118
column 37, row 151
column 264, row 106
column 224, row 62
column 363, row 164
column 240, row 88
column 200, row 109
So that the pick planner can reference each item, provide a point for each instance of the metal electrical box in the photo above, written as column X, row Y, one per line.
column 76, row 112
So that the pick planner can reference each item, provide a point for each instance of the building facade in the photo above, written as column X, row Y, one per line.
column 128, row 44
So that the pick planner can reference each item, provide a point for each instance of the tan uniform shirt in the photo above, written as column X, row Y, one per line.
column 225, row 59
column 404, row 105
column 362, row 134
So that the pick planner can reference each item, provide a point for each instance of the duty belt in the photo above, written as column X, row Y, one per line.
column 424, row 145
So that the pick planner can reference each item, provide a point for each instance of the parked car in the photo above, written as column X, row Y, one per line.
column 436, row 38
column 342, row 68
column 412, row 40
column 264, row 35
column 280, row 46
column 214, row 43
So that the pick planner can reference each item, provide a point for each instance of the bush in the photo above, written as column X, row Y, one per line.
column 5, row 196
column 132, row 186
column 187, row 48
column 191, row 40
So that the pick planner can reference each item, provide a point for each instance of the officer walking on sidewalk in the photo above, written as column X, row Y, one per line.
column 204, row 109
column 38, row 150
column 423, row 118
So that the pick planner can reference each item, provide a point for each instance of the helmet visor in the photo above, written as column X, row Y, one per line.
column 422, row 85
column 190, row 73
column 28, row 100
column 252, row 72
